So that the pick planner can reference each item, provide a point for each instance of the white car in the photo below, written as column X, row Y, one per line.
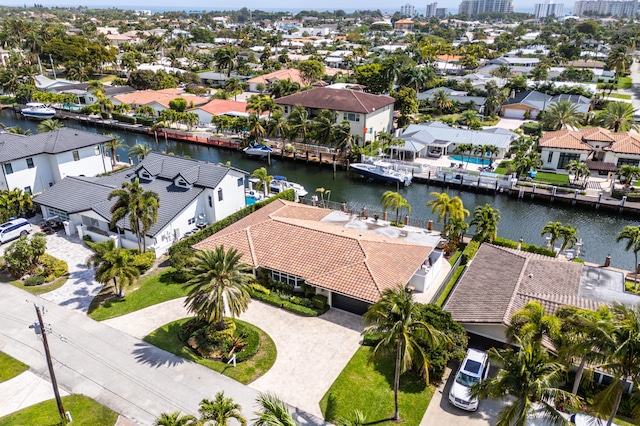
column 636, row 115
column 474, row 367
column 580, row 419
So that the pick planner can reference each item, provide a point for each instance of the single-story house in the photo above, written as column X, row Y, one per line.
column 601, row 149
column 217, row 79
column 367, row 114
column 192, row 193
column 220, row 107
column 157, row 99
column 37, row 162
column 456, row 96
column 441, row 139
column 88, row 97
column 329, row 250
column 535, row 102
column 292, row 74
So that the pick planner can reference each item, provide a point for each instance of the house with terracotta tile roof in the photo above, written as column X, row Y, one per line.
column 501, row 281
column 367, row 114
column 220, row 107
column 405, row 25
column 348, row 260
column 157, row 99
column 279, row 75
column 601, row 149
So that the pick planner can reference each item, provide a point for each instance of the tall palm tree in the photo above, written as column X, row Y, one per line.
column 447, row 207
column 393, row 200
column 277, row 125
column 233, row 86
column 220, row 410
column 112, row 145
column 322, row 126
column 298, row 121
column 256, row 127
column 569, row 236
column 554, row 229
column 464, row 149
column 342, row 137
column 264, row 180
column 631, row 236
column 273, row 412
column 225, row 58
column 561, row 114
column 139, row 151
column 619, row 60
column 618, row 117
column 113, row 264
column 49, row 126
column 485, row 219
column 176, row 419
column 138, row 206
column 526, row 161
column 532, row 322
column 530, row 377
column 393, row 317
column 219, row 280
column 441, row 101
column 579, row 169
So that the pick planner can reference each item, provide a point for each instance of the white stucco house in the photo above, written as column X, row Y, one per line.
column 367, row 114
column 35, row 163
column 192, row 193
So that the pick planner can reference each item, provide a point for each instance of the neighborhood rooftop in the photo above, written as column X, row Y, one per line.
column 328, row 98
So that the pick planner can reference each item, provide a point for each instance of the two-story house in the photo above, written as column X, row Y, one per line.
column 35, row 163
column 367, row 114
column 192, row 193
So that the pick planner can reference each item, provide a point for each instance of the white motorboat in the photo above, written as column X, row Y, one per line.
column 280, row 183
column 38, row 111
column 382, row 171
column 258, row 150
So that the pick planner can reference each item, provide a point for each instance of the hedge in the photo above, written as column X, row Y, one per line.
column 145, row 121
column 288, row 195
column 286, row 305
column 503, row 242
column 470, row 251
column 124, row 118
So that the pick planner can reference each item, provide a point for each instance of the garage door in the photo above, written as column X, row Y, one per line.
column 513, row 113
column 348, row 304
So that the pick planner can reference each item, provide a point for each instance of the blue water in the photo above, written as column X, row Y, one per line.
column 251, row 200
column 472, row 160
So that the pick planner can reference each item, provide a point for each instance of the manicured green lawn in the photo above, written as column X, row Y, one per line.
column 166, row 337
column 624, row 83
column 502, row 168
column 551, row 178
column 10, row 367
column 84, row 411
column 34, row 289
column 149, row 291
column 369, row 388
column 619, row 96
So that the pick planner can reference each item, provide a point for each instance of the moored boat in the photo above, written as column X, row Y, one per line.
column 382, row 171
column 280, row 183
column 38, row 111
column 258, row 150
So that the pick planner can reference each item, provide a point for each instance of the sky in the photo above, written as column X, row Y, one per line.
column 384, row 5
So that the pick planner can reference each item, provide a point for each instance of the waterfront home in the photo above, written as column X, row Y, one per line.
column 87, row 96
column 601, row 149
column 535, row 102
column 221, row 107
column 193, row 193
column 457, row 96
column 157, row 99
column 367, row 114
column 35, row 163
column 349, row 260
column 291, row 74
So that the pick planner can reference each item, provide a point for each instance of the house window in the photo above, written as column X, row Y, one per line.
column 192, row 221
column 182, row 183
column 55, row 212
column 550, row 157
column 30, row 163
column 286, row 109
column 94, row 222
column 627, row 161
column 8, row 168
column 240, row 182
column 76, row 156
column 351, row 116
column 565, row 158
column 291, row 280
column 220, row 194
column 27, row 190
column 210, row 201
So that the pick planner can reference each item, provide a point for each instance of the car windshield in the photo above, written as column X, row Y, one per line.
column 466, row 380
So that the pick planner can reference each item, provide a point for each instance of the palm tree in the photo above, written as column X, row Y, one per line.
column 273, row 412
column 631, row 236
column 569, row 236
column 219, row 280
column 628, row 173
column 554, row 229
column 17, row 130
column 467, row 117
column 220, row 410
column 342, row 137
column 447, row 207
column 529, row 377
column 49, row 126
column 579, row 170
column 441, row 101
column 225, row 57
column 176, row 419
column 281, row 88
column 485, row 219
column 298, row 121
column 264, row 180
column 531, row 323
column 112, row 145
column 393, row 318
column 113, row 264
column 256, row 127
column 233, row 86
column 322, row 126
column 525, row 162
column 394, row 200
column 137, row 205
column 618, row 117
column 464, row 149
column 139, row 151
column 357, row 419
column 561, row 114
column 619, row 60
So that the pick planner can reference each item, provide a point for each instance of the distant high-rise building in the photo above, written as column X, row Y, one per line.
column 475, row 7
column 431, row 10
column 543, row 10
column 441, row 12
column 606, row 8
column 408, row 10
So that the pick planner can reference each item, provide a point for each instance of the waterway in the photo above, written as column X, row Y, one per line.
column 519, row 219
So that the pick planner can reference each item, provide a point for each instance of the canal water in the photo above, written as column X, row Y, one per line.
column 519, row 219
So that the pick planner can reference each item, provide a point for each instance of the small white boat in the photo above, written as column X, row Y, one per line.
column 280, row 183
column 382, row 171
column 38, row 111
column 258, row 150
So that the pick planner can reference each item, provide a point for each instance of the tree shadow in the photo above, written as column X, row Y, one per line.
column 146, row 353
column 410, row 382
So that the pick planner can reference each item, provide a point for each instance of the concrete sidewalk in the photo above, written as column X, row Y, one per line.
column 23, row 391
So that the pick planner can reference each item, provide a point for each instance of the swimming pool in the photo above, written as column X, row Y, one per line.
column 250, row 200
column 472, row 160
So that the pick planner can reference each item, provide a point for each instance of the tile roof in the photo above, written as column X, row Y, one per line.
column 13, row 147
column 565, row 139
column 337, row 100
column 501, row 281
column 163, row 97
column 291, row 238
column 282, row 74
column 223, row 106
column 621, row 142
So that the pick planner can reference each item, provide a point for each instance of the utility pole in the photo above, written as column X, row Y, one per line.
column 54, row 383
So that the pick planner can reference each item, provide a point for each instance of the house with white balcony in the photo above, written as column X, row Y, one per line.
column 193, row 194
column 37, row 162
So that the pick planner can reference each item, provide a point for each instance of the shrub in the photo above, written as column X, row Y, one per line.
column 319, row 301
column 143, row 261
column 124, row 118
column 503, row 242
column 533, row 129
column 470, row 251
column 180, row 260
column 34, row 280
column 259, row 288
column 251, row 338
column 275, row 300
column 53, row 267
column 145, row 121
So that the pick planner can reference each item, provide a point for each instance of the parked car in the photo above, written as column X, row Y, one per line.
column 13, row 229
column 474, row 367
column 580, row 419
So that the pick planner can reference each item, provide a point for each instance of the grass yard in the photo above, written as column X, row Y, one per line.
column 630, row 286
column 373, row 385
column 10, row 367
column 84, row 410
column 5, row 277
column 552, row 178
column 619, row 96
column 148, row 291
column 624, row 83
column 166, row 337
column 502, row 167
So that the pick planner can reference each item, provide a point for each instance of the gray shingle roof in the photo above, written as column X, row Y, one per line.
column 63, row 140
column 432, row 133
column 200, row 173
column 75, row 194
column 337, row 100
